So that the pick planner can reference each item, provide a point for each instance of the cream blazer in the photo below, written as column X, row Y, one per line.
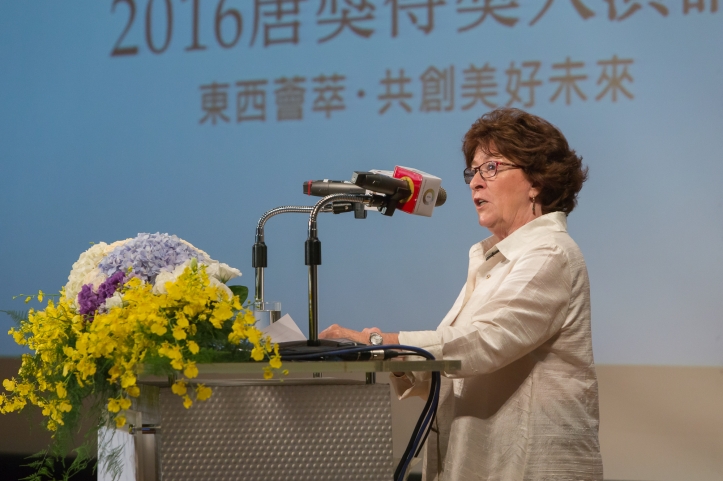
column 524, row 406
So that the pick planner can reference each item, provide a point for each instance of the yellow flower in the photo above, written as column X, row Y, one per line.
column 120, row 421
column 66, row 347
column 222, row 313
column 179, row 333
column 257, row 353
column 173, row 352
column 18, row 337
column 60, row 389
column 254, row 336
column 114, row 372
column 128, row 379
column 113, row 405
column 268, row 373
column 275, row 362
column 133, row 391
column 190, row 371
column 179, row 387
column 181, row 320
column 158, row 329
column 203, row 392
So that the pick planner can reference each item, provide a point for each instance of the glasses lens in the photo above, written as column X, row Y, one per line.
column 468, row 175
column 488, row 169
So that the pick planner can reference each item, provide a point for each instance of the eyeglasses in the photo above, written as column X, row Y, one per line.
column 487, row 170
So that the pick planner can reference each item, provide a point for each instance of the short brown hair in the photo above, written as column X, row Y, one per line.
column 535, row 145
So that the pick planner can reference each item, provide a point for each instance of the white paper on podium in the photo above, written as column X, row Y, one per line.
column 284, row 330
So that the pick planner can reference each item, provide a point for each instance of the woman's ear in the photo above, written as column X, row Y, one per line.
column 534, row 192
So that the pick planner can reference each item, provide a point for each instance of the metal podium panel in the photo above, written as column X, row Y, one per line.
column 279, row 433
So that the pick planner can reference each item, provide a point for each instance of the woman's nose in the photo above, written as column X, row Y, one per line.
column 477, row 182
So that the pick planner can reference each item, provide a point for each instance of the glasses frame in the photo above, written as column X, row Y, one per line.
column 470, row 172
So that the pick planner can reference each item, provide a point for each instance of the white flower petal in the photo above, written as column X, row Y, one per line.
column 215, row 282
column 222, row 272
column 87, row 261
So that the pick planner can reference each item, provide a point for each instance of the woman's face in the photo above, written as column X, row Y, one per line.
column 503, row 202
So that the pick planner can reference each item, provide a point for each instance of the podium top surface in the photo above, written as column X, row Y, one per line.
column 303, row 367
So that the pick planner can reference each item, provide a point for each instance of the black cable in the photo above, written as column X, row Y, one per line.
column 346, row 355
column 351, row 350
column 426, row 433
column 430, row 407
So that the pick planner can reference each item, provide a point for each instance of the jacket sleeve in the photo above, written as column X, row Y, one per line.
column 527, row 309
column 418, row 383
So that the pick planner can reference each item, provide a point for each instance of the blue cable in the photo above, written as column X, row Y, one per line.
column 428, row 414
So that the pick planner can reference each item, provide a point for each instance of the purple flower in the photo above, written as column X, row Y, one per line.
column 149, row 254
column 111, row 285
column 89, row 301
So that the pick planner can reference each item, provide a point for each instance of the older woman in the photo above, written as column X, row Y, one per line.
column 524, row 406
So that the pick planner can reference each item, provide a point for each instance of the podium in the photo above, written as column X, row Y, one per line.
column 272, row 430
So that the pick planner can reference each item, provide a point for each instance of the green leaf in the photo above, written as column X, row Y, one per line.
column 241, row 291
column 20, row 316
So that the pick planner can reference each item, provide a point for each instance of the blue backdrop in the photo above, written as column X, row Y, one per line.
column 194, row 117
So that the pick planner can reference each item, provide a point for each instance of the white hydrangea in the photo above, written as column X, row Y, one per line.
column 87, row 261
column 111, row 247
column 96, row 277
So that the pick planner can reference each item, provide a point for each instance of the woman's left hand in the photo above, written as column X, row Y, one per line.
column 335, row 331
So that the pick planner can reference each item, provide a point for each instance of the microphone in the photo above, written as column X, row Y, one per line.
column 322, row 188
column 427, row 192
column 411, row 190
column 380, row 182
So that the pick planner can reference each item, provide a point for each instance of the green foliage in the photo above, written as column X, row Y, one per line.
column 20, row 316
column 45, row 465
column 241, row 291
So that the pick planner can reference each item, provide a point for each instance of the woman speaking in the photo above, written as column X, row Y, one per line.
column 524, row 406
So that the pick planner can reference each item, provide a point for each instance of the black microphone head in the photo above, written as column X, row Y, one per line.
column 441, row 197
column 322, row 188
column 381, row 184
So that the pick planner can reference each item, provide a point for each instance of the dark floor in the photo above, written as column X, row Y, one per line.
column 11, row 469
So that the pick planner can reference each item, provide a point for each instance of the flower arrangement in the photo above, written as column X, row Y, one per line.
column 153, row 301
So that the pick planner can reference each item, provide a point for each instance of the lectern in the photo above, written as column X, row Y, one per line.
column 300, row 429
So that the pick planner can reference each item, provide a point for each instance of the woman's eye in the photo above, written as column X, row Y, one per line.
column 489, row 167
